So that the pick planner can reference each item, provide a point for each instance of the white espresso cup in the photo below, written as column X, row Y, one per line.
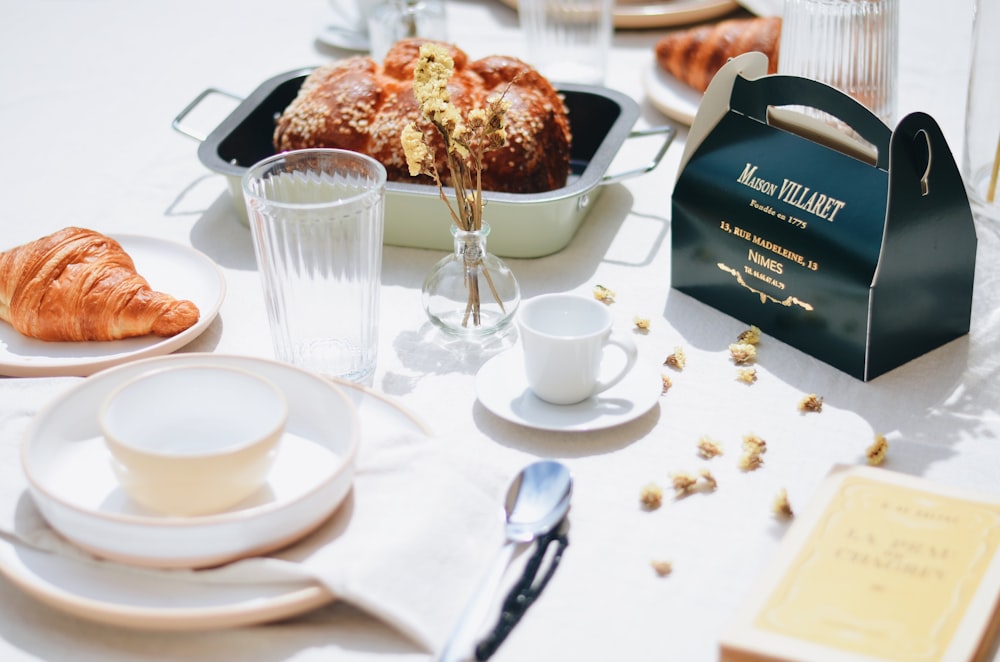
column 566, row 340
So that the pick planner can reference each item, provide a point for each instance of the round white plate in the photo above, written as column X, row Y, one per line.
column 105, row 594
column 70, row 477
column 663, row 13
column 501, row 388
column 178, row 270
column 670, row 96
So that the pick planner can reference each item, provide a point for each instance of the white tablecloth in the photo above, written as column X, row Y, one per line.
column 89, row 89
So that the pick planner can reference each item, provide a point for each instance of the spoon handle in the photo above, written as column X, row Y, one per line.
column 461, row 643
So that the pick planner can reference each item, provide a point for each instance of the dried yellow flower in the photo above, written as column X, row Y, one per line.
column 742, row 353
column 602, row 293
column 781, row 506
column 708, row 448
column 651, row 496
column 677, row 360
column 751, row 336
column 753, row 450
column 419, row 158
column 641, row 323
column 746, row 375
column 877, row 451
column 750, row 461
column 754, row 444
column 706, row 475
column 667, row 383
column 662, row 568
column 811, row 402
column 683, row 482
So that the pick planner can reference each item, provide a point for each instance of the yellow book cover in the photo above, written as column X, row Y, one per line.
column 881, row 566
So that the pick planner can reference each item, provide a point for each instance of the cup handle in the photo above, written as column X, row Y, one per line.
column 627, row 346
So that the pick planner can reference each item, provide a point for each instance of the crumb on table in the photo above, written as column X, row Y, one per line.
column 641, row 323
column 667, row 383
column 747, row 375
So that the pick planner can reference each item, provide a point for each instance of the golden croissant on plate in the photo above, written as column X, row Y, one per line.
column 695, row 55
column 77, row 284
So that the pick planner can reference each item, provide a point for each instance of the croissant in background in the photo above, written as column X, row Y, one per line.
column 77, row 284
column 695, row 55
column 362, row 105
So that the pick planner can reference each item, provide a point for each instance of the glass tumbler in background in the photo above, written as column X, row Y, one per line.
column 981, row 158
column 392, row 20
column 316, row 218
column 568, row 40
column 849, row 44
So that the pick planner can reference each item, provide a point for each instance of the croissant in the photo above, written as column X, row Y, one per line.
column 77, row 284
column 695, row 55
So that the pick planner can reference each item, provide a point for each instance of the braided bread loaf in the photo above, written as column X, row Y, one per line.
column 695, row 55
column 360, row 105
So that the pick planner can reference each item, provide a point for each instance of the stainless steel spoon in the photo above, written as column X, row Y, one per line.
column 538, row 498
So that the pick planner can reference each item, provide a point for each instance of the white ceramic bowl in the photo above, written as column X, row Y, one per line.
column 65, row 461
column 193, row 440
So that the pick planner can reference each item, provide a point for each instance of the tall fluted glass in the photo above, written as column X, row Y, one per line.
column 316, row 217
column 852, row 45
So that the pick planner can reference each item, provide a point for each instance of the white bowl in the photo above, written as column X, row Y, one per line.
column 65, row 461
column 193, row 440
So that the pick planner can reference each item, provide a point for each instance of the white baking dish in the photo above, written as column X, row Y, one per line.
column 522, row 224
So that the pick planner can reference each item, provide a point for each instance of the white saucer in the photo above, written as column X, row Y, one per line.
column 501, row 388
column 72, row 482
column 178, row 270
column 675, row 99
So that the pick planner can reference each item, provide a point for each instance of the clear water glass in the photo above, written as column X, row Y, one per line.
column 316, row 217
column 568, row 40
column 392, row 20
column 852, row 45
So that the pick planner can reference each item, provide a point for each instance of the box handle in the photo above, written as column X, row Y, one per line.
column 753, row 98
column 178, row 123
column 668, row 132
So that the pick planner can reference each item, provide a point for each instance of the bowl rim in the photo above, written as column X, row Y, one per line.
column 266, row 436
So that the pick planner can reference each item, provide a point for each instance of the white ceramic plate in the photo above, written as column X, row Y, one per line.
column 137, row 600
column 178, row 270
column 670, row 96
column 663, row 13
column 71, row 480
column 501, row 388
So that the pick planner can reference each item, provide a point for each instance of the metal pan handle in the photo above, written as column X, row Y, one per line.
column 178, row 123
column 668, row 132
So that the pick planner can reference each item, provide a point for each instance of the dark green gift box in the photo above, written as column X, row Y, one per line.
column 859, row 252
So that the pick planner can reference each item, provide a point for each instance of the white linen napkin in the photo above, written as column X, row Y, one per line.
column 409, row 545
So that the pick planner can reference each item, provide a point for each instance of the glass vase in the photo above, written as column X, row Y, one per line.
column 471, row 293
